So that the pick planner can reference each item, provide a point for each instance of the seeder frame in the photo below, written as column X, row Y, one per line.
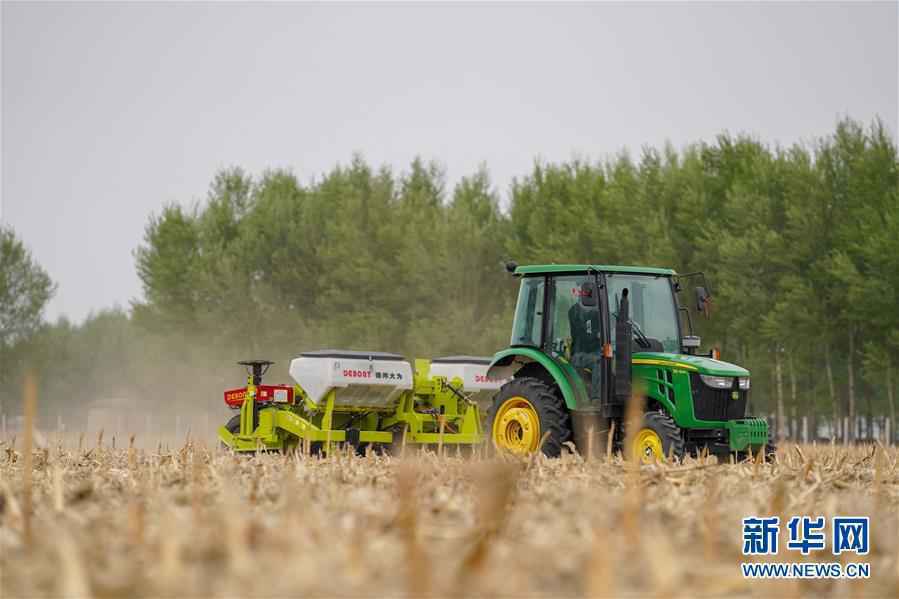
column 434, row 411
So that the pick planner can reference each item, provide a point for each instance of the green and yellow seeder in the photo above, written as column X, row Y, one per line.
column 363, row 399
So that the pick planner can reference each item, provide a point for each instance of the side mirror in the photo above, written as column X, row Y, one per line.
column 691, row 342
column 703, row 299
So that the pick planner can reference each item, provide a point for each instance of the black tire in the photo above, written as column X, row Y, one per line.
column 233, row 427
column 769, row 452
column 551, row 411
column 395, row 447
column 770, row 449
column 668, row 431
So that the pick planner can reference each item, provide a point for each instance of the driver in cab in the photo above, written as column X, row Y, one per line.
column 586, row 346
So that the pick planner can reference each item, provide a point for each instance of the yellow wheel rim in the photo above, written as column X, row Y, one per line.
column 648, row 447
column 516, row 427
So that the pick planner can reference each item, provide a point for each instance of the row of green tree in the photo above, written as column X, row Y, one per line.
column 800, row 245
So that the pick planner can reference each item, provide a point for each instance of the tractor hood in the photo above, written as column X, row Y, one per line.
column 700, row 364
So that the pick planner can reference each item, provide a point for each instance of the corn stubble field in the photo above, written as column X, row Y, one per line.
column 194, row 521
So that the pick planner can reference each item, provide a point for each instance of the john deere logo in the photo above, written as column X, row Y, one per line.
column 734, row 395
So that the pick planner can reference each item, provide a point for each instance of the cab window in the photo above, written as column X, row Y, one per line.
column 528, row 324
column 574, row 325
column 652, row 306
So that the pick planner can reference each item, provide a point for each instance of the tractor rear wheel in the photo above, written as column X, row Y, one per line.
column 657, row 438
column 523, row 412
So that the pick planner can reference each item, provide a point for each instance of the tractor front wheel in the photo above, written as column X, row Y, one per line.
column 770, row 449
column 657, row 438
column 768, row 452
column 523, row 412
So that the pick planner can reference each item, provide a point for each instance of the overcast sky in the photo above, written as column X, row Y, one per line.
column 109, row 111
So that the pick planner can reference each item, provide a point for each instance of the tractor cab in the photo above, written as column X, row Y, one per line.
column 595, row 337
column 575, row 317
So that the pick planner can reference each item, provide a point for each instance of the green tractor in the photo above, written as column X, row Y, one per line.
column 587, row 340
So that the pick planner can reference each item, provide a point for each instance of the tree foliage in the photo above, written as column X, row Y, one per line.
column 800, row 244
column 25, row 289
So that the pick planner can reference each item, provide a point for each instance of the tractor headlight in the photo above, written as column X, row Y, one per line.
column 744, row 383
column 717, row 382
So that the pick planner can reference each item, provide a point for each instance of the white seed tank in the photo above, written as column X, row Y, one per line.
column 361, row 379
column 472, row 370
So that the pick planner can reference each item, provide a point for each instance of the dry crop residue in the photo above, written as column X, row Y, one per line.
column 199, row 523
